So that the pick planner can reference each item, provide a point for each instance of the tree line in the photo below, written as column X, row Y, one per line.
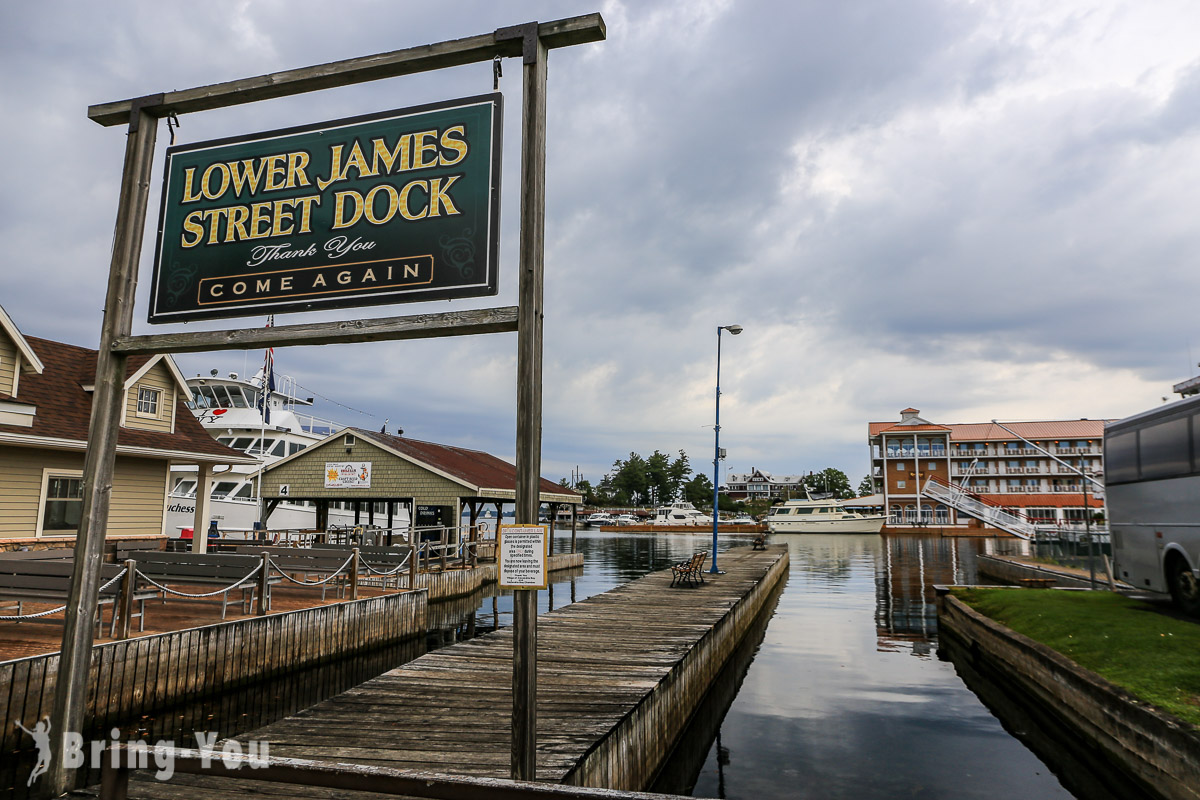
column 659, row 479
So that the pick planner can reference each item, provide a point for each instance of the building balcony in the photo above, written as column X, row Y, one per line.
column 1077, row 451
column 974, row 471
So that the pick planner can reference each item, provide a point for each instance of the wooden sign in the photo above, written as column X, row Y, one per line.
column 521, row 556
column 393, row 207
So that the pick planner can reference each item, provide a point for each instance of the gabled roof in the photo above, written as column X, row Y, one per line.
column 64, row 411
column 167, row 362
column 7, row 325
column 473, row 469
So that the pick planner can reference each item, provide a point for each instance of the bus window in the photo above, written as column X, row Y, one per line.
column 1196, row 442
column 1163, row 449
column 1120, row 457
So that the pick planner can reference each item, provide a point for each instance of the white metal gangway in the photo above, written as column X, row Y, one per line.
column 975, row 506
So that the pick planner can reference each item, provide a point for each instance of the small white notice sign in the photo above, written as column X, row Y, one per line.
column 522, row 556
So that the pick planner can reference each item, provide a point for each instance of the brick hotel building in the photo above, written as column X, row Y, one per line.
column 989, row 461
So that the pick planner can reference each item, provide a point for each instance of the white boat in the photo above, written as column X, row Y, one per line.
column 600, row 520
column 741, row 519
column 625, row 520
column 820, row 516
column 680, row 514
column 227, row 407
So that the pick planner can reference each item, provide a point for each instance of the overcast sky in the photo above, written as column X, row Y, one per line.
column 983, row 210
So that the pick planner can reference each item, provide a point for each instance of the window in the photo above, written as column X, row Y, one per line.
column 1163, row 449
column 64, row 504
column 184, row 486
column 147, row 402
column 899, row 465
column 223, row 488
column 295, row 447
column 901, row 484
column 243, row 492
column 1120, row 456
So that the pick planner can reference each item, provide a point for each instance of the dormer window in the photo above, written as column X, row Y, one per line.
column 148, row 402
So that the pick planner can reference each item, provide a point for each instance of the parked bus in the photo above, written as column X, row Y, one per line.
column 1152, row 474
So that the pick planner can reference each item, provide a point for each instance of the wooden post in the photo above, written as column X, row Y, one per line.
column 71, row 689
column 444, row 542
column 574, row 524
column 264, row 584
column 128, row 583
column 200, row 516
column 553, row 508
column 413, row 556
column 529, row 385
column 354, row 557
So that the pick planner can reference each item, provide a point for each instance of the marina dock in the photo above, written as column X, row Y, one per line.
column 619, row 676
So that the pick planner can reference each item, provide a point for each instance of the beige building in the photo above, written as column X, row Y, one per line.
column 45, row 408
column 376, row 473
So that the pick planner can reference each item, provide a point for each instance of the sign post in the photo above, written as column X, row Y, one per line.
column 270, row 202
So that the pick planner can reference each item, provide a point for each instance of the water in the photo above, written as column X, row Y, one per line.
column 846, row 697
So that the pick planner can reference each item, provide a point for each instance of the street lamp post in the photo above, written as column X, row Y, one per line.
column 735, row 330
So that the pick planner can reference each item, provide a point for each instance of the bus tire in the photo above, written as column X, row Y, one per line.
column 1185, row 589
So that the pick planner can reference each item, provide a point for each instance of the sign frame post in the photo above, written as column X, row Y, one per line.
column 531, row 41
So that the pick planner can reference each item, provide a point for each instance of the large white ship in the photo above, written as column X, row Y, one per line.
column 228, row 408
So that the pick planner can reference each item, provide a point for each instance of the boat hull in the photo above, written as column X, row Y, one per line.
column 857, row 525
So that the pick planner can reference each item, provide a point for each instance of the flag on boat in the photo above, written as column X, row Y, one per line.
column 268, row 380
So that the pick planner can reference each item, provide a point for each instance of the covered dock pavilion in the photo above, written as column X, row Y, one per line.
column 379, row 473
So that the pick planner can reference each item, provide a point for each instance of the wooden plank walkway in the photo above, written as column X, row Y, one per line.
column 598, row 662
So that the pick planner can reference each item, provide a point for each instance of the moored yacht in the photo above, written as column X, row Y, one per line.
column 229, row 409
column 680, row 514
column 820, row 516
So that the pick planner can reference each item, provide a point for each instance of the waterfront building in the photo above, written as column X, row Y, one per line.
column 1000, row 467
column 45, row 407
column 760, row 485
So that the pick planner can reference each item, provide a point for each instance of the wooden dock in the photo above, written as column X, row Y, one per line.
column 619, row 676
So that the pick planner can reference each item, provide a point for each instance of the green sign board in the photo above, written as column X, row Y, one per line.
column 389, row 208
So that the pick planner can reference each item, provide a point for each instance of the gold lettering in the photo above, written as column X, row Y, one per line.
column 411, row 271
column 450, row 143
column 422, row 147
column 339, row 201
column 306, row 204
column 188, row 175
column 276, row 170
column 217, row 290
column 408, row 187
column 192, row 225
column 369, row 275
column 297, row 164
column 320, row 281
column 213, row 216
column 236, row 230
column 359, row 162
column 283, row 214
column 402, row 154
column 393, row 204
column 285, row 284
column 246, row 176
column 438, row 196
column 263, row 285
column 335, row 154
column 206, row 182
column 260, row 215
column 343, row 278
column 239, row 288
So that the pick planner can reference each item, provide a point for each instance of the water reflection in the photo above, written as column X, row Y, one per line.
column 835, row 706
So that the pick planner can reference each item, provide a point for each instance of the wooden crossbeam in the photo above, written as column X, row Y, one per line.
column 453, row 53
column 417, row 326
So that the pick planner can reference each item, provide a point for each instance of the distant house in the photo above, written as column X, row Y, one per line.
column 45, row 408
column 759, row 485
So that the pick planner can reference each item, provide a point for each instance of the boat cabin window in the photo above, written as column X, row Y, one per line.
column 280, row 448
column 184, row 486
column 223, row 488
column 803, row 511
column 243, row 492
column 243, row 443
column 295, row 447
column 239, row 399
column 225, row 440
column 220, row 396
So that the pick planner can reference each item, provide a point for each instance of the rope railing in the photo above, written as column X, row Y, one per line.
column 169, row 590
column 302, row 568
column 39, row 614
column 392, row 571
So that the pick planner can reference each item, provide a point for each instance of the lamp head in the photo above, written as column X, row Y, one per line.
column 734, row 329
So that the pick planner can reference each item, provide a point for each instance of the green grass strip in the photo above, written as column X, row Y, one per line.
column 1153, row 656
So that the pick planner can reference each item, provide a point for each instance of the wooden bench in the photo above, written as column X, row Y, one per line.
column 31, row 580
column 688, row 571
column 304, row 562
column 381, row 558
column 207, row 569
